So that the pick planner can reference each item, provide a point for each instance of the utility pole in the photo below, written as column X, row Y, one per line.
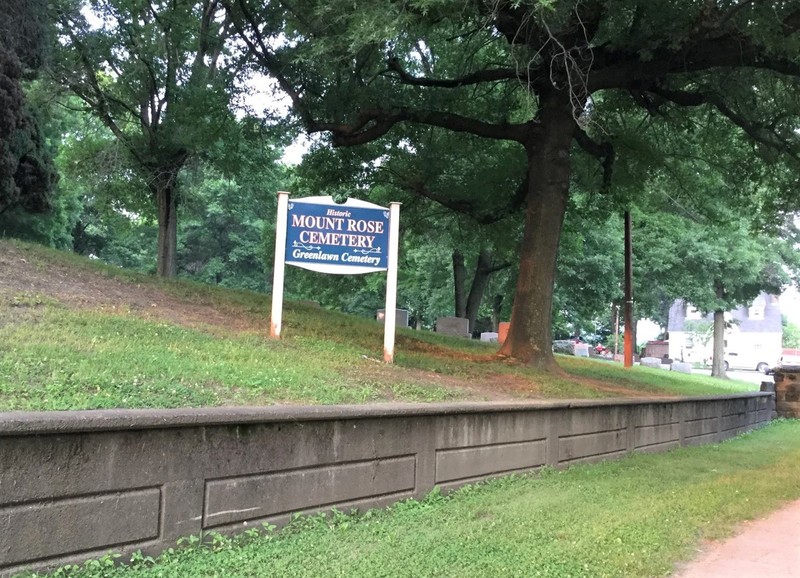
column 628, row 313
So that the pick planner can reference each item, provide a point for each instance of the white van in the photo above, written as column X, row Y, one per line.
column 752, row 360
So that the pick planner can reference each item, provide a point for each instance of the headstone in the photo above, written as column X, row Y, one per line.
column 564, row 346
column 682, row 366
column 455, row 326
column 650, row 362
column 581, row 350
column 489, row 336
column 400, row 316
column 502, row 331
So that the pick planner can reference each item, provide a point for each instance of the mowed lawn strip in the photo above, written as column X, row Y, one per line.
column 55, row 358
column 639, row 516
column 76, row 334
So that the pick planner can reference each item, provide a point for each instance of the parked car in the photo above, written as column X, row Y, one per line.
column 734, row 360
column 789, row 356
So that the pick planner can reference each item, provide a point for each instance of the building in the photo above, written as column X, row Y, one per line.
column 753, row 336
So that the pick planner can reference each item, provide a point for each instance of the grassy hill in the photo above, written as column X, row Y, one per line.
column 75, row 334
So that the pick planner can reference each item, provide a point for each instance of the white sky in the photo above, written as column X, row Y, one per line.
column 790, row 305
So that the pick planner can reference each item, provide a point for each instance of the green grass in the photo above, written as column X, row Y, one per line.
column 55, row 356
column 75, row 360
column 635, row 517
column 655, row 380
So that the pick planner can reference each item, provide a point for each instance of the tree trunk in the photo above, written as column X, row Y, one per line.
column 163, row 186
column 530, row 334
column 479, row 282
column 718, row 362
column 459, row 281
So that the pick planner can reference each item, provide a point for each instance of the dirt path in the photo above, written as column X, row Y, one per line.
column 766, row 548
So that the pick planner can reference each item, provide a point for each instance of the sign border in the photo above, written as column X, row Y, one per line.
column 330, row 268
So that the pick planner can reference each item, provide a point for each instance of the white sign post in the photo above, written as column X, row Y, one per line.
column 277, row 272
column 354, row 237
column 390, row 318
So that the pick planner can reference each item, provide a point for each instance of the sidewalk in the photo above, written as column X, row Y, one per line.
column 765, row 548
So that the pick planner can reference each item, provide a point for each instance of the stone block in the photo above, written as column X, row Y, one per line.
column 650, row 362
column 489, row 336
column 258, row 496
column 681, row 367
column 594, row 444
column 50, row 528
column 564, row 346
column 466, row 463
column 455, row 326
column 581, row 349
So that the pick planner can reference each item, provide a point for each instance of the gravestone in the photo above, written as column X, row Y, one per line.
column 564, row 346
column 502, row 331
column 400, row 316
column 581, row 350
column 682, row 367
column 489, row 336
column 456, row 326
column 651, row 362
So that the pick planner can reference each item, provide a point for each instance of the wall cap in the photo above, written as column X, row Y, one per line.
column 21, row 423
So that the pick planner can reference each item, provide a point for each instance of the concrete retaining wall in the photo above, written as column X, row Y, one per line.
column 74, row 485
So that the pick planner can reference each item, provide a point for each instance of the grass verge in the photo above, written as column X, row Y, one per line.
column 639, row 516
column 75, row 334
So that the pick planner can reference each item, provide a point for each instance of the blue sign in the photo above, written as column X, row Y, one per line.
column 349, row 238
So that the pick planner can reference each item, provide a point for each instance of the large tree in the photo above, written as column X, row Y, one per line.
column 27, row 174
column 157, row 75
column 533, row 73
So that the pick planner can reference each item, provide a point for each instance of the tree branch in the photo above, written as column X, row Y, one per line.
column 704, row 49
column 490, row 75
column 371, row 124
column 464, row 206
column 755, row 131
column 603, row 152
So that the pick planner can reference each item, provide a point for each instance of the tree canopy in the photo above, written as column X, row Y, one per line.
column 543, row 74
column 158, row 77
column 27, row 174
